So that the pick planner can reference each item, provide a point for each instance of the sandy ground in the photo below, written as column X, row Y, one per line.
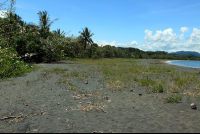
column 46, row 106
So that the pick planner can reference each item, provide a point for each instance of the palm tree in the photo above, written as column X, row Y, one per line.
column 11, row 26
column 24, row 28
column 58, row 33
column 43, row 23
column 16, row 17
column 86, row 37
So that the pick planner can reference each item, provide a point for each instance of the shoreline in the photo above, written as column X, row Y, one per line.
column 177, row 67
column 182, row 65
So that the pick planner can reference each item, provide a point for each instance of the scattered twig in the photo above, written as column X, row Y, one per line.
column 70, row 127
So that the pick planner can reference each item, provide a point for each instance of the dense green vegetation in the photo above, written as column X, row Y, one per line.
column 55, row 45
column 18, row 38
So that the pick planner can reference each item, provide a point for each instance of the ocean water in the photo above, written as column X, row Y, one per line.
column 193, row 64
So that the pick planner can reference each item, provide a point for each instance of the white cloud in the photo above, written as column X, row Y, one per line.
column 162, row 37
column 194, row 40
column 184, row 29
column 133, row 43
column 168, row 41
column 196, row 32
column 103, row 43
column 162, row 41
column 3, row 13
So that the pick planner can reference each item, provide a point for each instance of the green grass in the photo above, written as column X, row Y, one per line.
column 146, row 82
column 120, row 74
column 174, row 98
column 175, row 90
column 188, row 97
column 49, row 72
column 158, row 88
column 74, row 73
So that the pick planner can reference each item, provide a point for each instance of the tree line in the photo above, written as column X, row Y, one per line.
column 31, row 38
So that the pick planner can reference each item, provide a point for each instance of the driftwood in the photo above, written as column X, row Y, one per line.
column 10, row 117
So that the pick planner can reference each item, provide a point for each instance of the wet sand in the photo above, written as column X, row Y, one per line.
column 46, row 106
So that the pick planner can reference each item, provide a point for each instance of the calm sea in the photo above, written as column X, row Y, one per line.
column 193, row 64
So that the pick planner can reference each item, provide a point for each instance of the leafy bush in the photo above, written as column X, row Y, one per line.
column 10, row 64
column 53, row 49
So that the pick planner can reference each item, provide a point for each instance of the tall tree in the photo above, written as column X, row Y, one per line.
column 44, row 24
column 24, row 28
column 8, row 27
column 86, row 37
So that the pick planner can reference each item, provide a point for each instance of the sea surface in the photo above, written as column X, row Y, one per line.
column 193, row 64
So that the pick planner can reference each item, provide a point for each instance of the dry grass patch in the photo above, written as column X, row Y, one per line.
column 115, row 85
column 90, row 106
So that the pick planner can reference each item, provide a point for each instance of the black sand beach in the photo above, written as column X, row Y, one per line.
column 43, row 105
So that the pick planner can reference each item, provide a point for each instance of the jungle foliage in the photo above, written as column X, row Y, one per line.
column 31, row 38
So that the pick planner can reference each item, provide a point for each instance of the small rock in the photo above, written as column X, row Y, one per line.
column 193, row 106
column 106, row 97
column 140, row 94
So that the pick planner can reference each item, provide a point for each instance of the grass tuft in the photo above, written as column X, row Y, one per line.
column 174, row 99
column 158, row 88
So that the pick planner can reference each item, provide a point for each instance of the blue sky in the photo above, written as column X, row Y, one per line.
column 150, row 25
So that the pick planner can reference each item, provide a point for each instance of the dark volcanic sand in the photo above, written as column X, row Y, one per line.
column 55, row 108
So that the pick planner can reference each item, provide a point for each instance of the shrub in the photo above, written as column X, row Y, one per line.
column 10, row 64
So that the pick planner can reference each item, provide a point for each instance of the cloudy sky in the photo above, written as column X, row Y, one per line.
column 150, row 25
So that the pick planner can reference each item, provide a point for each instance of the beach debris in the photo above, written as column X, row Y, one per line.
column 89, row 106
column 15, row 120
column 120, row 109
column 89, row 102
column 193, row 106
column 58, row 103
column 140, row 94
column 70, row 127
column 131, row 90
column 109, row 100
column 35, row 130
column 77, row 97
column 44, row 112
column 8, row 117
